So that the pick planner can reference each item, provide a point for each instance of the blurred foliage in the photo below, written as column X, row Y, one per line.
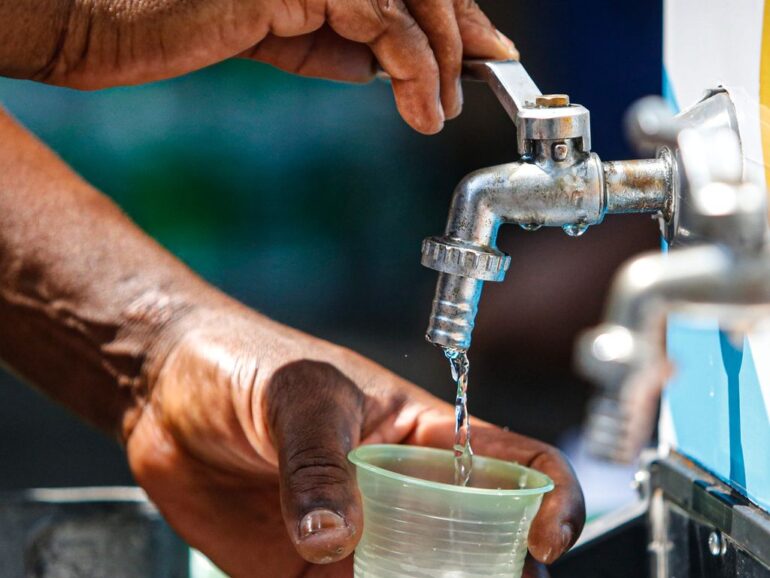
column 269, row 185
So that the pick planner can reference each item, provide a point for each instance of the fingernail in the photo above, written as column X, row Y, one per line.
column 508, row 45
column 319, row 521
column 455, row 111
column 460, row 97
column 441, row 118
column 566, row 537
column 546, row 558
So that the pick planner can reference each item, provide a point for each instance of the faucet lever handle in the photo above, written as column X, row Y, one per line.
column 509, row 81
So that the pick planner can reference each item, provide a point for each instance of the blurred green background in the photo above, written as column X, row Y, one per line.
column 308, row 200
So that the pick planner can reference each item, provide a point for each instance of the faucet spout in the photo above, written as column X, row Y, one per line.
column 552, row 187
column 639, row 295
column 558, row 182
column 624, row 355
column 724, row 280
column 531, row 194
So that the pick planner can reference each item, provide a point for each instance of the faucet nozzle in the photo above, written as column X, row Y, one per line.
column 454, row 311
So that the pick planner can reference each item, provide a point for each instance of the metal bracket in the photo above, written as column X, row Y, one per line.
column 707, row 499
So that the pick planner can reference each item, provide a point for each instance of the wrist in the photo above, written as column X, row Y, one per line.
column 202, row 377
column 156, row 323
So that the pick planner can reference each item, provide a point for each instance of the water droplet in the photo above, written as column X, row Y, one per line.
column 575, row 229
column 530, row 226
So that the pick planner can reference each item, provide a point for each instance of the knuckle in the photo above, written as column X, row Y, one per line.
column 391, row 12
column 452, row 57
column 314, row 413
column 548, row 455
column 377, row 10
column 387, row 7
column 466, row 7
column 310, row 469
column 306, row 380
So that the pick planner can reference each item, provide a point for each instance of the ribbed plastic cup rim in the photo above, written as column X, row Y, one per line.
column 358, row 458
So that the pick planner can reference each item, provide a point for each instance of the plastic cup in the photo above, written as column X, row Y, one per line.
column 418, row 524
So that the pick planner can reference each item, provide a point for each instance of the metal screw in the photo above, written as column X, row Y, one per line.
column 717, row 545
column 559, row 151
column 552, row 100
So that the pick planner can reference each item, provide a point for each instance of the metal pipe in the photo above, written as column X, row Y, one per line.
column 645, row 281
column 638, row 186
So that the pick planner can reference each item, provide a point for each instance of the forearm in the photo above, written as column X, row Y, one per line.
column 90, row 44
column 86, row 299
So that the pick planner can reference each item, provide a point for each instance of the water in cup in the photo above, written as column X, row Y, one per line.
column 419, row 524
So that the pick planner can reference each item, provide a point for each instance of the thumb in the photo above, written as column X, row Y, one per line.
column 315, row 413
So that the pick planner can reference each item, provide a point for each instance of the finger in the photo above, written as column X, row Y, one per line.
column 437, row 19
column 480, row 38
column 560, row 519
column 320, row 54
column 314, row 414
column 403, row 51
column 562, row 514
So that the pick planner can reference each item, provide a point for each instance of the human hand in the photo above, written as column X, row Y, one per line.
column 243, row 437
column 420, row 43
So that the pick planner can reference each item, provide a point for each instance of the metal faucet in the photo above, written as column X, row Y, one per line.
column 558, row 182
column 719, row 266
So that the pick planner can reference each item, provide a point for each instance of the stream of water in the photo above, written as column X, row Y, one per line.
column 458, row 361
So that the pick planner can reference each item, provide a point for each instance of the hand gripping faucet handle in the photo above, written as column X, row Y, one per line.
column 509, row 81
column 537, row 116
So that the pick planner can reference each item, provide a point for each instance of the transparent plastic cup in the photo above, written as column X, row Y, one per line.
column 418, row 524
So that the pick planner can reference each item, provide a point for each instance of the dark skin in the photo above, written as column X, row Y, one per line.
column 217, row 405
column 98, row 43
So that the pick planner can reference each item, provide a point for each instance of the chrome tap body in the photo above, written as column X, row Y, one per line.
column 558, row 182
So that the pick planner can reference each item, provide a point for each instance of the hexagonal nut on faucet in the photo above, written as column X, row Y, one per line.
column 552, row 100
column 449, row 256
